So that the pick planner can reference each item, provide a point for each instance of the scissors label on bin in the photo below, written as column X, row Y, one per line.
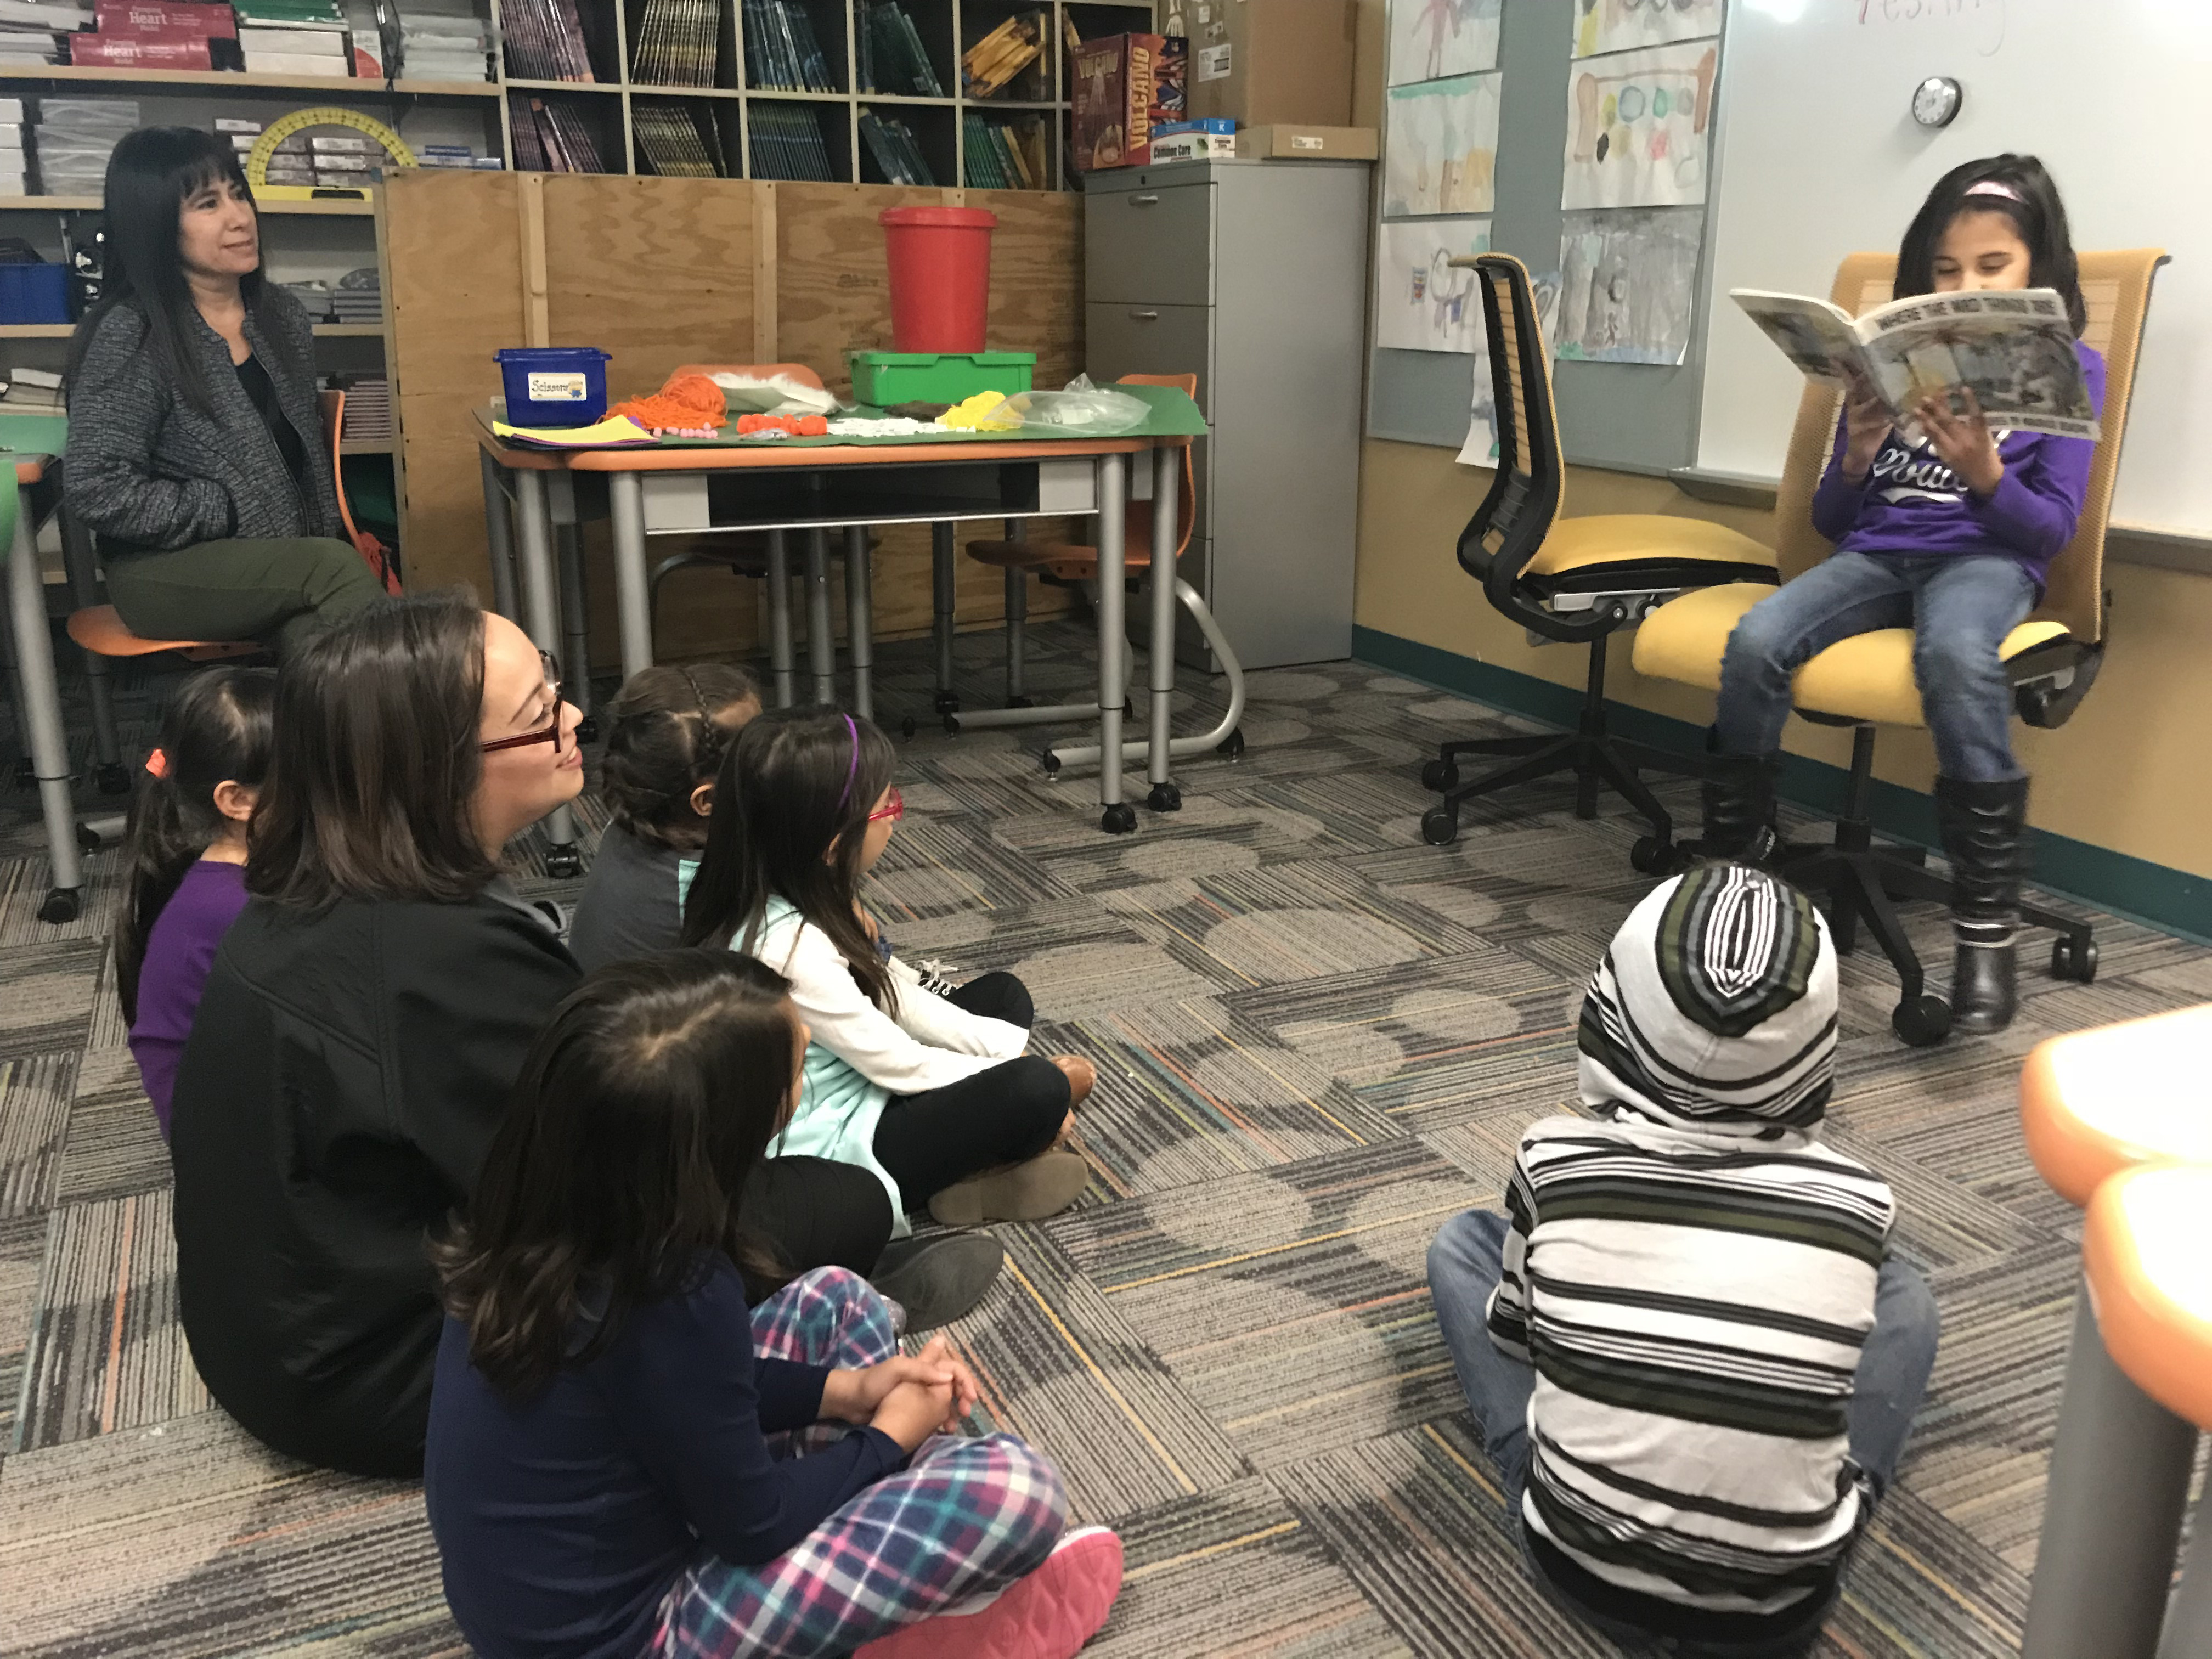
column 556, row 388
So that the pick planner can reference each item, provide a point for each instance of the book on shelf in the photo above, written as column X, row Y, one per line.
column 677, row 142
column 1005, row 52
column 678, row 43
column 545, row 41
column 552, row 137
column 786, row 143
column 892, row 58
column 166, row 17
column 48, row 14
column 782, row 53
column 134, row 51
column 891, row 143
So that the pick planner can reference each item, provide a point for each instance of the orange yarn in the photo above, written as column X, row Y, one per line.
column 687, row 400
column 796, row 426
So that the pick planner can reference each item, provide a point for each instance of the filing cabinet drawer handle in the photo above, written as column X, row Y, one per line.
column 1143, row 316
column 1144, row 201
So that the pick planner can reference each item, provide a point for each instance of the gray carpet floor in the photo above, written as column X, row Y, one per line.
column 1317, row 1038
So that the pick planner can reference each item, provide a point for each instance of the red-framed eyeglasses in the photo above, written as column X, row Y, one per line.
column 552, row 734
column 893, row 808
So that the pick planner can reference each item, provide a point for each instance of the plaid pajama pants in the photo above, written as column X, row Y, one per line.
column 966, row 1517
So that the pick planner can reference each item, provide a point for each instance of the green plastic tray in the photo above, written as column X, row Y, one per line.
column 884, row 378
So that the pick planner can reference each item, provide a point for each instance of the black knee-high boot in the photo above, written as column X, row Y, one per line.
column 1982, row 825
column 1738, row 806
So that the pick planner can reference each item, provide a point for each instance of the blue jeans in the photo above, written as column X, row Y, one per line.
column 1960, row 606
column 1464, row 1265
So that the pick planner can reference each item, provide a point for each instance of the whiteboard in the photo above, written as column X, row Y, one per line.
column 1821, row 157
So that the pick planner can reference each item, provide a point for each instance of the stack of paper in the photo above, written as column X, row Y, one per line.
column 32, row 31
column 72, row 139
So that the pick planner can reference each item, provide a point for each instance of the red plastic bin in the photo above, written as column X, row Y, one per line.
column 941, row 269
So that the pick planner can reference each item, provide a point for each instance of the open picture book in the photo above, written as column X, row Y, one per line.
column 2013, row 350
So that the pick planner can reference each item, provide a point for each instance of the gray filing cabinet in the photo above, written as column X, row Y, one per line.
column 1254, row 275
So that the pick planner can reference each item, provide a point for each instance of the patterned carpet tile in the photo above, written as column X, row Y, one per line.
column 1236, row 1572
column 1219, row 830
column 1940, row 1223
column 115, row 1147
column 198, row 1541
column 1078, row 960
column 50, row 987
column 1293, row 1305
column 23, row 1260
column 1059, row 1366
column 35, row 1094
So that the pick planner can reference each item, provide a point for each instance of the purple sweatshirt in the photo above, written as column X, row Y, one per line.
column 179, row 953
column 1912, row 504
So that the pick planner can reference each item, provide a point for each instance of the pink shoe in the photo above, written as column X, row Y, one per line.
column 1050, row 1614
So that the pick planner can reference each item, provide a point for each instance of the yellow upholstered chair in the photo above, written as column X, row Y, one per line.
column 1866, row 681
column 1574, row 579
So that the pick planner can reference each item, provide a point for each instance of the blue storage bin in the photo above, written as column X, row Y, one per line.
column 33, row 293
column 554, row 386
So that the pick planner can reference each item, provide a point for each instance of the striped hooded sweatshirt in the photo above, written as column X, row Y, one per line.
column 1693, row 1275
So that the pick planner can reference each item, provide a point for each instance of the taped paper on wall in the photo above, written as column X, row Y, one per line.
column 1433, row 39
column 1422, row 303
column 1602, row 26
column 1629, row 284
column 1442, row 147
column 1639, row 126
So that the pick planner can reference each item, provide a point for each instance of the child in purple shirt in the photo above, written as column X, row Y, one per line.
column 1950, row 533
column 186, row 869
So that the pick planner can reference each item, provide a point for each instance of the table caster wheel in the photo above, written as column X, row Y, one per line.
column 61, row 905
column 1051, row 764
column 947, row 702
column 907, row 727
column 1231, row 747
column 952, row 726
column 1119, row 819
column 587, row 729
column 113, row 780
column 1020, row 702
column 1440, row 775
column 88, row 838
column 1651, row 856
column 2070, row 961
column 1921, row 1022
column 564, row 862
column 1165, row 797
column 1440, row 826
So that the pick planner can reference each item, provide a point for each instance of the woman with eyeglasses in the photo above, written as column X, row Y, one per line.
column 935, row 1095
column 365, row 1019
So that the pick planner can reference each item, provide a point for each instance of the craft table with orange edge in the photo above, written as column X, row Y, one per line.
column 525, row 472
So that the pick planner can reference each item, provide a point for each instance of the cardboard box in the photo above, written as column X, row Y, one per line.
column 1192, row 146
column 1262, row 62
column 1284, row 142
column 1124, row 86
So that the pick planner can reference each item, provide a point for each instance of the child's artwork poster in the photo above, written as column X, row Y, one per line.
column 1628, row 284
column 1433, row 39
column 1441, row 147
column 1639, row 127
column 1422, row 301
column 1602, row 26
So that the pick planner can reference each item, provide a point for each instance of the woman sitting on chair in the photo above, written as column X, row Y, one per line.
column 195, row 453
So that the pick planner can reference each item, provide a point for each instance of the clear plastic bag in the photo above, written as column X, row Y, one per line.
column 1097, row 412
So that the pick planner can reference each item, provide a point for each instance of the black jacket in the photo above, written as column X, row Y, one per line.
column 343, row 1078
column 145, row 469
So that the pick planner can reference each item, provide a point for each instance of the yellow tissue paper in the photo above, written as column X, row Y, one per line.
column 616, row 430
column 968, row 416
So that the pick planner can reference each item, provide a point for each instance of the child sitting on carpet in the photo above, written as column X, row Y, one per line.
column 642, row 1441
column 666, row 733
column 1690, row 1352
column 184, row 881
column 932, row 1093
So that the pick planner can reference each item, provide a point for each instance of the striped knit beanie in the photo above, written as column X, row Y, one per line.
column 1715, row 1006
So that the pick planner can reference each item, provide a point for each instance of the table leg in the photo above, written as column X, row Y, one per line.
column 1118, row 817
column 945, row 599
column 575, row 619
column 821, row 642
column 1018, row 624
column 84, row 591
column 778, row 619
column 39, row 709
column 499, row 536
column 1166, row 464
column 536, row 578
column 859, row 624
column 633, row 589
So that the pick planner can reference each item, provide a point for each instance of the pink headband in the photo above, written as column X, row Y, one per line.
column 1996, row 187
column 852, row 768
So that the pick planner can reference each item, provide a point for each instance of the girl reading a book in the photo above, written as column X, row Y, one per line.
column 195, row 453
column 1949, row 530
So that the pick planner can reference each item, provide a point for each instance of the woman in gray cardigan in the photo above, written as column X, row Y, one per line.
column 195, row 449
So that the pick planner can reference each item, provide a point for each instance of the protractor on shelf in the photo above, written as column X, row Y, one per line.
column 301, row 121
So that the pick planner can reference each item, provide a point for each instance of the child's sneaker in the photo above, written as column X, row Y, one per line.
column 1050, row 1614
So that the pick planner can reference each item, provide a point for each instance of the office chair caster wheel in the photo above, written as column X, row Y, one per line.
column 947, row 702
column 907, row 727
column 1440, row 775
column 587, row 729
column 952, row 726
column 1921, row 1022
column 1165, row 797
column 88, row 838
column 1020, row 702
column 1119, row 819
column 1651, row 856
column 2069, row 962
column 113, row 780
column 1051, row 762
column 1440, row 826
column 1231, row 747
column 61, row 905
column 564, row 862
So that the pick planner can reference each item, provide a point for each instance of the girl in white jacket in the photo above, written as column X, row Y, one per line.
column 934, row 1094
